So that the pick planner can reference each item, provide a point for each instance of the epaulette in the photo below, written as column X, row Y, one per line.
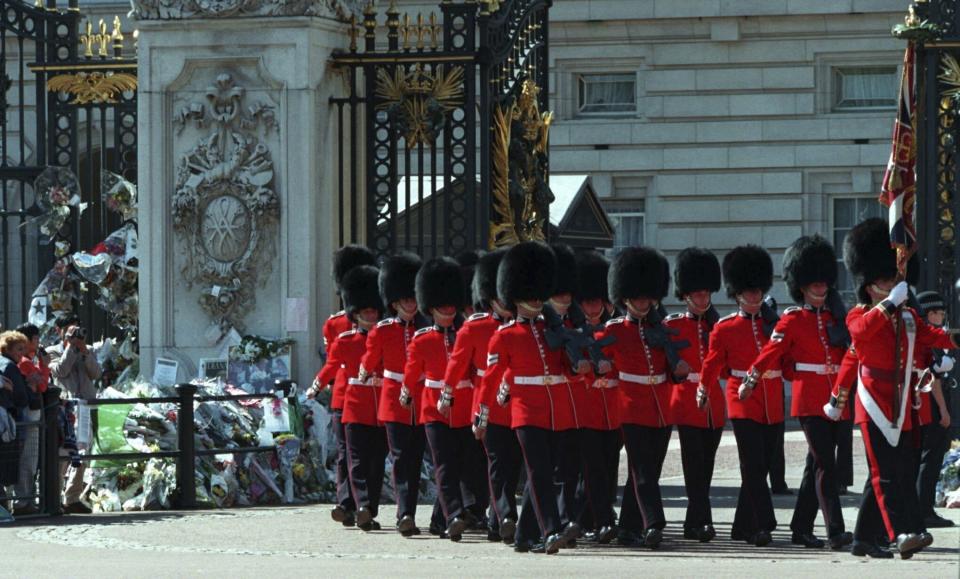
column 347, row 333
column 792, row 310
column 478, row 316
column 615, row 321
column 727, row 317
column 506, row 325
column 338, row 314
column 422, row 331
column 674, row 317
column 386, row 322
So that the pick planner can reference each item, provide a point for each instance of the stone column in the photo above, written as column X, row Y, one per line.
column 236, row 174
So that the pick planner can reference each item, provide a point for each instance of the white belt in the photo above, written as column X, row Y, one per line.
column 359, row 382
column 439, row 384
column 548, row 380
column 651, row 380
column 821, row 369
column 481, row 373
column 693, row 377
column 768, row 374
column 395, row 376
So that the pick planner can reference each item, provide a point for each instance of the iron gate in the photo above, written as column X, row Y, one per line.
column 443, row 147
column 68, row 99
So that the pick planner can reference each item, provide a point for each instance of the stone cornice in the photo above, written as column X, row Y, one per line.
column 186, row 9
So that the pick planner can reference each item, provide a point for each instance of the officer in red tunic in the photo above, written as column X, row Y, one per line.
column 734, row 344
column 365, row 438
column 638, row 280
column 598, row 409
column 439, row 288
column 803, row 339
column 491, row 422
column 887, row 338
column 344, row 259
column 384, row 360
column 696, row 279
column 532, row 378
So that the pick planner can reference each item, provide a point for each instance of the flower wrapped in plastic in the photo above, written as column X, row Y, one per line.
column 288, row 450
column 119, row 195
column 57, row 190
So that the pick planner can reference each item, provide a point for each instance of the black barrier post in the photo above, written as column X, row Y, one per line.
column 50, row 469
column 186, row 461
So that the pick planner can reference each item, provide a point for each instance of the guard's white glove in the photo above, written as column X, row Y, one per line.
column 899, row 293
column 946, row 364
column 833, row 413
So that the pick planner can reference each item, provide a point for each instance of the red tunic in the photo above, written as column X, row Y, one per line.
column 360, row 400
column 872, row 331
column 386, row 356
column 801, row 340
column 335, row 325
column 683, row 402
column 847, row 379
column 538, row 376
column 642, row 372
column 427, row 356
column 469, row 362
column 735, row 342
column 598, row 401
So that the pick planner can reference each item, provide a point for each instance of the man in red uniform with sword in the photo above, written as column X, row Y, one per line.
column 887, row 338
column 696, row 279
column 803, row 339
column 734, row 344
column 384, row 360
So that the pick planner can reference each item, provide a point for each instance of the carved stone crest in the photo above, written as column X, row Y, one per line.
column 225, row 207
column 180, row 9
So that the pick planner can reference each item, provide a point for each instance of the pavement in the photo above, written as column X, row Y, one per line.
column 302, row 540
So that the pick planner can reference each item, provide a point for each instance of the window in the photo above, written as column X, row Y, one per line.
column 848, row 212
column 859, row 88
column 628, row 219
column 599, row 94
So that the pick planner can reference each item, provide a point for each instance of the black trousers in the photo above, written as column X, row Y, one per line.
column 933, row 445
column 630, row 519
column 889, row 505
column 504, row 460
column 698, row 451
column 754, row 505
column 646, row 450
column 367, row 454
column 473, row 480
column 845, row 452
column 819, row 485
column 540, row 448
column 596, row 492
column 344, row 496
column 567, row 475
column 407, row 443
column 450, row 449
column 776, row 462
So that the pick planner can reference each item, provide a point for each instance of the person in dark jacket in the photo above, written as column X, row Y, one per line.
column 15, row 398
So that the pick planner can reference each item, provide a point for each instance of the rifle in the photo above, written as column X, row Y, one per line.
column 837, row 334
column 576, row 340
column 768, row 313
column 658, row 336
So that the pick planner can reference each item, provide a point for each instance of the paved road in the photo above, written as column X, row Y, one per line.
column 286, row 541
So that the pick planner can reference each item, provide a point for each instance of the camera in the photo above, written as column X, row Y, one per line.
column 78, row 333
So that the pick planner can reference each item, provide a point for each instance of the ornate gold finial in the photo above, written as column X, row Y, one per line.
column 369, row 10
column 117, row 37
column 103, row 39
column 911, row 19
column 421, row 31
column 406, row 30
column 435, row 31
column 87, row 40
column 38, row 4
column 354, row 33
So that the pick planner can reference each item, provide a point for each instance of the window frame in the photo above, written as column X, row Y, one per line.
column 837, row 73
column 614, row 217
column 579, row 90
column 847, row 293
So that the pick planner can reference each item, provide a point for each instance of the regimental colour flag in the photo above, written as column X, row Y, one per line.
column 899, row 190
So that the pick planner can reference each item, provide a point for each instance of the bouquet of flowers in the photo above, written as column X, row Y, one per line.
column 119, row 195
column 253, row 349
column 57, row 190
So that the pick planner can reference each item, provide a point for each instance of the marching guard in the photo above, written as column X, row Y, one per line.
column 805, row 338
column 734, row 344
column 385, row 359
column 696, row 279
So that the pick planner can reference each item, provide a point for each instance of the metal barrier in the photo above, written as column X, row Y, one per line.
column 185, row 455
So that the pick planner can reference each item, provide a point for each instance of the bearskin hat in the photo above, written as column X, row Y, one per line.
column 868, row 255
column 747, row 267
column 398, row 277
column 638, row 272
column 485, row 279
column 593, row 268
column 528, row 271
column 567, row 274
column 697, row 269
column 468, row 264
column 349, row 257
column 439, row 283
column 808, row 260
column 359, row 289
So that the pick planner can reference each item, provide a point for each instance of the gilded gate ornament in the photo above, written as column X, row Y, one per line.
column 93, row 87
column 225, row 206
column 519, row 165
column 419, row 100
